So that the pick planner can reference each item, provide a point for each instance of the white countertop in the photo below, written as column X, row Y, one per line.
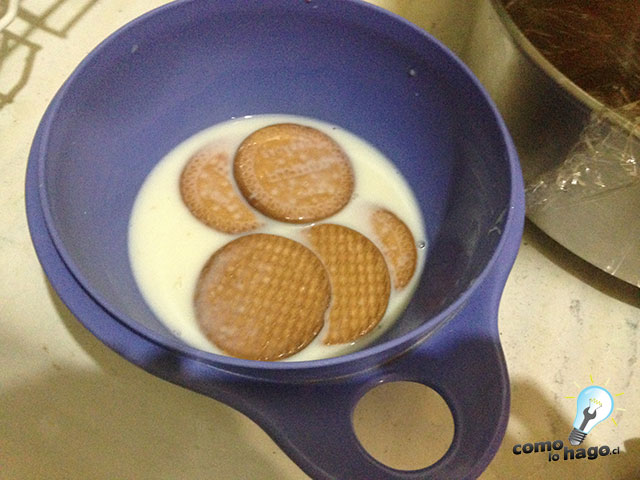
column 72, row 409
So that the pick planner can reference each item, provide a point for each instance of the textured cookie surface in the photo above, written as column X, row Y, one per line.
column 293, row 173
column 262, row 297
column 359, row 277
column 397, row 244
column 207, row 191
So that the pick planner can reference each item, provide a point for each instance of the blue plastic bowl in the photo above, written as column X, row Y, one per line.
column 191, row 64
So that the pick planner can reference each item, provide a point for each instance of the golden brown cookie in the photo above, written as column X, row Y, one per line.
column 360, row 284
column 397, row 245
column 206, row 189
column 262, row 297
column 293, row 173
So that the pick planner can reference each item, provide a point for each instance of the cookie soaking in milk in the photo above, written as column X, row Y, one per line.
column 276, row 237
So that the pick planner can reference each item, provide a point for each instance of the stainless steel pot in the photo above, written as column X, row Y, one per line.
column 579, row 159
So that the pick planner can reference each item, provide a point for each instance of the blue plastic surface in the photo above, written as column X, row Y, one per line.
column 191, row 64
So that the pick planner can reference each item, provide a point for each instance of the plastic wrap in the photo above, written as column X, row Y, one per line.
column 604, row 160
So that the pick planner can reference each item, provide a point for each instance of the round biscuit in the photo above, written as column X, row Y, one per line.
column 360, row 285
column 293, row 173
column 262, row 297
column 207, row 191
column 397, row 245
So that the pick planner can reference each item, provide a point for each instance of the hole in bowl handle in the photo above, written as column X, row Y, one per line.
column 463, row 362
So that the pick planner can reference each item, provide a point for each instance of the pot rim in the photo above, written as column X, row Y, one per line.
column 564, row 82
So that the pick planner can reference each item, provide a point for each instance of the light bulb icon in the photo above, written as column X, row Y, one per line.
column 595, row 404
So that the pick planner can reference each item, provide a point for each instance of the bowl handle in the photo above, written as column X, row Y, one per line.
column 463, row 361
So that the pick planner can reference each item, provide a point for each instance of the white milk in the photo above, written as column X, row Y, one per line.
column 168, row 246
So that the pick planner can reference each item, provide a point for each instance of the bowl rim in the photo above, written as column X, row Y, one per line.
column 512, row 218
